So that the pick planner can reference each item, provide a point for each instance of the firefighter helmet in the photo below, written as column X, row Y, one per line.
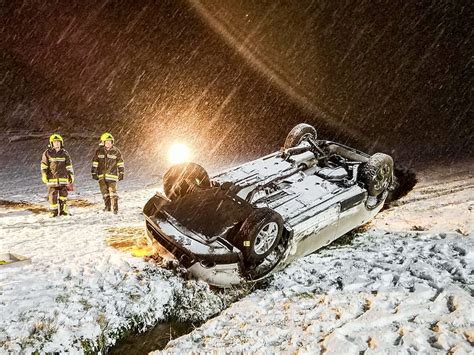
column 106, row 137
column 55, row 137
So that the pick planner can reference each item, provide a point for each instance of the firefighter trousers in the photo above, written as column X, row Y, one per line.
column 109, row 193
column 57, row 197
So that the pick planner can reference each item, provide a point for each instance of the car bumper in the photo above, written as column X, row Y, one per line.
column 216, row 262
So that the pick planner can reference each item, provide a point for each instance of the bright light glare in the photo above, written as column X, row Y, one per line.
column 178, row 153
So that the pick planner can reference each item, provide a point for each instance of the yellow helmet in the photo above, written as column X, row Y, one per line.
column 55, row 137
column 106, row 137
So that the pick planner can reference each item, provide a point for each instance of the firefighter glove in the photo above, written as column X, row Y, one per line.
column 95, row 177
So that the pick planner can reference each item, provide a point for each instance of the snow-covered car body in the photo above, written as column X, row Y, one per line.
column 318, row 202
column 316, row 211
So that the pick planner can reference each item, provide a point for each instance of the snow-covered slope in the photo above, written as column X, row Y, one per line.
column 78, row 293
column 383, row 293
column 405, row 285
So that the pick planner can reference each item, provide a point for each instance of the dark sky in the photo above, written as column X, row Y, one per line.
column 234, row 76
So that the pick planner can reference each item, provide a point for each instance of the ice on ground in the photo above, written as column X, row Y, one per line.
column 80, row 294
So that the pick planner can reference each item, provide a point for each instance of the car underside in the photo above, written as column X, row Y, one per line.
column 251, row 220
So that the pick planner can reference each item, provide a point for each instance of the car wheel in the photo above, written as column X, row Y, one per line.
column 259, row 235
column 299, row 133
column 377, row 173
column 183, row 178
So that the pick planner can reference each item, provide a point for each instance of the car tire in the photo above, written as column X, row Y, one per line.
column 183, row 178
column 377, row 173
column 298, row 134
column 259, row 235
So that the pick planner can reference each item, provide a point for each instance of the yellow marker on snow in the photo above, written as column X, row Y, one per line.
column 141, row 252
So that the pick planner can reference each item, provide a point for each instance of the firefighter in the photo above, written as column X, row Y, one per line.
column 57, row 173
column 108, row 169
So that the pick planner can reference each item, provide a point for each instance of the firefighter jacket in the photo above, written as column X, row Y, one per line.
column 108, row 164
column 56, row 167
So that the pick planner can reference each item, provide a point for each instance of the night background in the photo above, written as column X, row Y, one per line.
column 238, row 75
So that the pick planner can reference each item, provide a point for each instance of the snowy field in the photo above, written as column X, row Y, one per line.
column 405, row 284
column 398, row 293
column 84, row 289
column 81, row 294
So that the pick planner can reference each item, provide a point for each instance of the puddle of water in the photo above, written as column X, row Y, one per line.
column 154, row 339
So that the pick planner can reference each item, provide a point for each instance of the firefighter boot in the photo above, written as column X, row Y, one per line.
column 107, row 204
column 63, row 210
column 115, row 204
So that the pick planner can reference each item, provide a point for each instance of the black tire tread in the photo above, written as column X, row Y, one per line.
column 294, row 137
column 369, row 170
column 174, row 183
column 249, row 229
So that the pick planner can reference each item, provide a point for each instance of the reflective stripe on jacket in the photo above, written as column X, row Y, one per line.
column 108, row 164
column 56, row 167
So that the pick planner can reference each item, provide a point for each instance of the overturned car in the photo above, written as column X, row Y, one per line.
column 254, row 219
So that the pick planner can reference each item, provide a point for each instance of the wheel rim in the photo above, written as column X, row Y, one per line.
column 265, row 238
column 382, row 178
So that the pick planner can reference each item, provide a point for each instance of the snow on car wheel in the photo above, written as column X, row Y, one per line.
column 183, row 178
column 260, row 234
column 377, row 173
column 299, row 133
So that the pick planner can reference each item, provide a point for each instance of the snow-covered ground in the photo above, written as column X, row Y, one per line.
column 383, row 293
column 442, row 202
column 405, row 285
column 79, row 293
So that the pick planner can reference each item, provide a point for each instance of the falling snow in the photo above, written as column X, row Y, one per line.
column 229, row 80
